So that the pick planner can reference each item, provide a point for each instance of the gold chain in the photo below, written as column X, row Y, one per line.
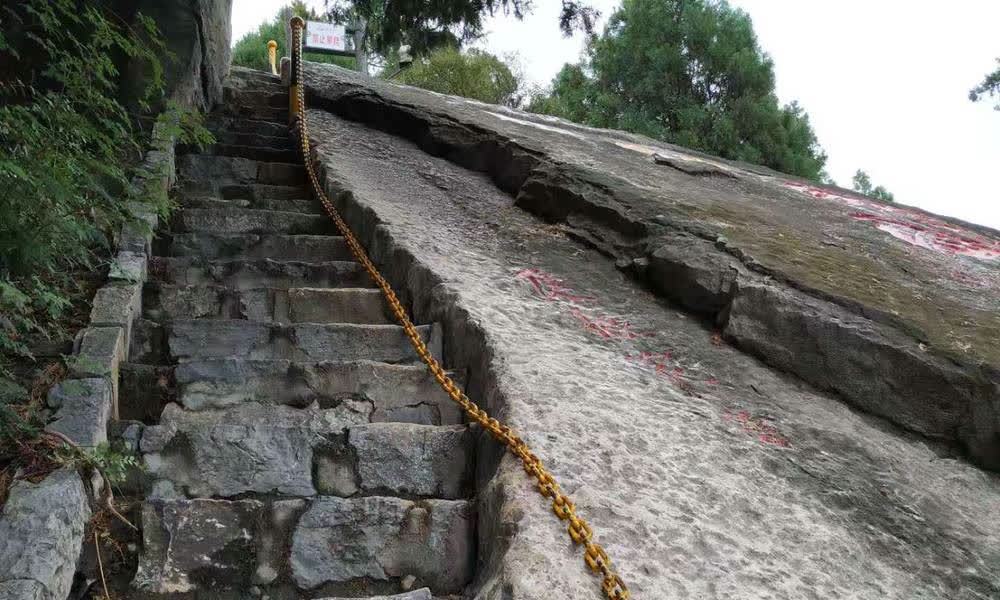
column 581, row 533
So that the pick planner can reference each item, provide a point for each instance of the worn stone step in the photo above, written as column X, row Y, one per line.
column 257, row 273
column 264, row 94
column 397, row 393
column 219, row 123
column 272, row 449
column 260, row 113
column 278, row 305
column 227, row 136
column 218, row 338
column 253, row 192
column 254, row 151
column 303, row 206
column 227, row 170
column 206, row 545
column 316, row 248
column 253, row 76
column 249, row 220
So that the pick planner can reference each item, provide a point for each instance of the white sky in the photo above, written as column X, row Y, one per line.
column 885, row 84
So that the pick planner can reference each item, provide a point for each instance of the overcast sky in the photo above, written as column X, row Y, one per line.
column 885, row 84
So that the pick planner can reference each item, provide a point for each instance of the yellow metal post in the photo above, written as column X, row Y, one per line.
column 272, row 56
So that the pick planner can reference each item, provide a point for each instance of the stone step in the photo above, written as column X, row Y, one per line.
column 256, row 96
column 259, row 152
column 396, row 393
column 207, row 545
column 246, row 75
column 249, row 220
column 300, row 206
column 219, row 123
column 227, row 136
column 256, row 273
column 227, row 170
column 219, row 338
column 252, row 192
column 258, row 113
column 316, row 248
column 272, row 449
column 268, row 305
column 421, row 594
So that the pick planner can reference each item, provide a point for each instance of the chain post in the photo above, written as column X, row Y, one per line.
column 272, row 56
column 579, row 530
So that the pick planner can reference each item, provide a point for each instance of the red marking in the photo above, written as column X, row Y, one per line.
column 717, row 338
column 551, row 287
column 911, row 226
column 664, row 365
column 611, row 328
column 759, row 427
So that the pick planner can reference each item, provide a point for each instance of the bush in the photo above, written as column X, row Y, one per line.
column 471, row 74
column 66, row 146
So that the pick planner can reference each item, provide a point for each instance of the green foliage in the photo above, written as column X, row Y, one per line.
column 473, row 74
column 66, row 144
column 990, row 86
column 251, row 49
column 113, row 462
column 863, row 185
column 688, row 72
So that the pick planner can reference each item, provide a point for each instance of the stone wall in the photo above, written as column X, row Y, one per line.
column 42, row 524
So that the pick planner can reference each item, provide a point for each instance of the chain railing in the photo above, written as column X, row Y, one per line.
column 579, row 530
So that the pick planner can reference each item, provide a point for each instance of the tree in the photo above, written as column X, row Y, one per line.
column 688, row 72
column 425, row 25
column 473, row 74
column 251, row 49
column 989, row 86
column 863, row 185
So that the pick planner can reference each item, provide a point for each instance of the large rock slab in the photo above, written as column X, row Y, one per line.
column 380, row 538
column 704, row 472
column 41, row 532
column 928, row 282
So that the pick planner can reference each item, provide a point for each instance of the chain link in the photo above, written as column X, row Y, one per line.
column 579, row 530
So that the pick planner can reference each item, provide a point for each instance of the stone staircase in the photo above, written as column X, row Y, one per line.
column 294, row 446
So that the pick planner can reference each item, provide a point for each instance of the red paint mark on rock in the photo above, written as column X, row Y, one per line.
column 550, row 287
column 759, row 427
column 610, row 328
column 911, row 226
column 665, row 365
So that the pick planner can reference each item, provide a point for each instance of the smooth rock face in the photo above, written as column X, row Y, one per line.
column 380, row 538
column 693, row 218
column 41, row 530
column 704, row 472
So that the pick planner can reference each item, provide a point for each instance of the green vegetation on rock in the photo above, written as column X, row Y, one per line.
column 688, row 72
